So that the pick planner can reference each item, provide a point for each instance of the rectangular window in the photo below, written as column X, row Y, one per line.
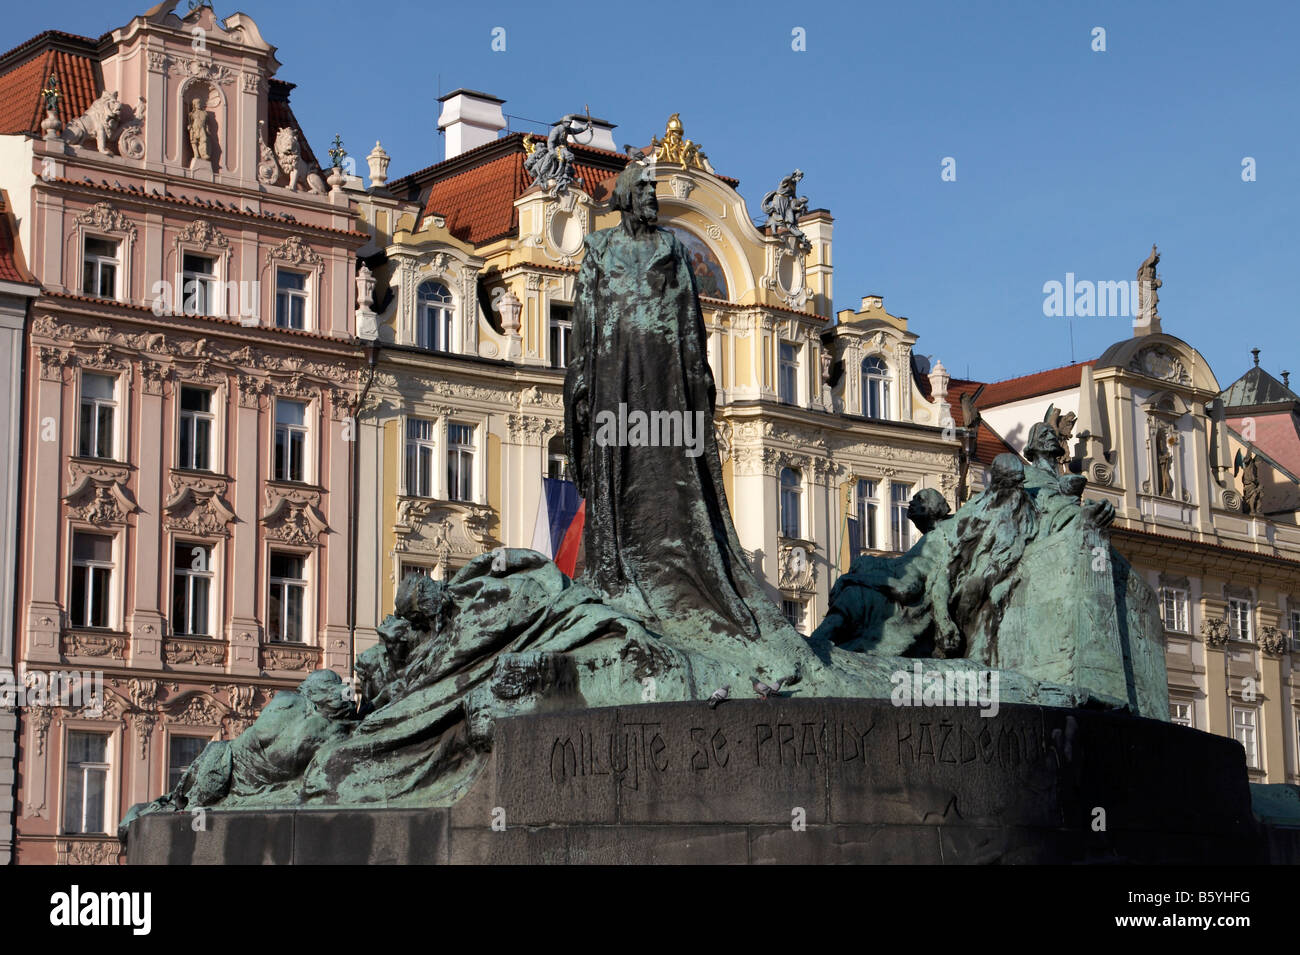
column 418, row 570
column 1181, row 713
column 460, row 462
column 191, row 588
column 290, row 441
column 196, row 429
column 97, row 438
column 899, row 497
column 557, row 467
column 1239, row 619
column 1295, row 632
column 1173, row 609
column 1243, row 730
column 788, row 373
column 791, row 503
column 284, row 622
column 419, row 457
column 85, row 795
column 866, row 513
column 198, row 284
column 794, row 611
column 290, row 299
column 92, row 580
column 99, row 268
column 561, row 330
column 181, row 751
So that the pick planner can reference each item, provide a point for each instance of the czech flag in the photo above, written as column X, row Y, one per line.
column 560, row 516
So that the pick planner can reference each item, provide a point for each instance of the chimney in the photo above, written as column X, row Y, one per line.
column 469, row 119
column 602, row 135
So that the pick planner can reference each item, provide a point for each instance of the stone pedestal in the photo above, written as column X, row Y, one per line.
column 787, row 781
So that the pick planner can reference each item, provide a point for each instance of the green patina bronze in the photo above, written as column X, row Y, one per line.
column 1021, row 581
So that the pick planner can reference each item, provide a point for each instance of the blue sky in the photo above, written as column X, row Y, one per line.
column 1067, row 160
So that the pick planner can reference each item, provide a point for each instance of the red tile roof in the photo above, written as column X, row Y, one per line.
column 12, row 266
column 988, row 443
column 478, row 203
column 21, row 105
column 1031, row 386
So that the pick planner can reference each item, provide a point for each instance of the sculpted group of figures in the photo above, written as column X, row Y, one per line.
column 1020, row 579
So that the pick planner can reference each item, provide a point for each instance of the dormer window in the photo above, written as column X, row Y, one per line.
column 434, row 318
column 875, row 388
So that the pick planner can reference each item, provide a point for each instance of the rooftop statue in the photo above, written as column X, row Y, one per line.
column 551, row 163
column 669, row 608
column 784, row 208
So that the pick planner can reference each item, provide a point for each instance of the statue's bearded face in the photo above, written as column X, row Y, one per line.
column 645, row 205
column 1047, row 442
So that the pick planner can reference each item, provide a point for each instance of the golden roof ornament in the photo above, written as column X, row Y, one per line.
column 676, row 148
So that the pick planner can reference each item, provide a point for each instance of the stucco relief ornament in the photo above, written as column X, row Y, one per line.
column 130, row 141
column 99, row 494
column 1215, row 631
column 291, row 515
column 289, row 658
column 106, row 217
column 296, row 252
column 268, row 170
column 203, row 233
column 196, row 505
column 1272, row 641
column 1158, row 362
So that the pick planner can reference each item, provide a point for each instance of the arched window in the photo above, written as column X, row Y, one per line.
column 434, row 318
column 875, row 388
column 791, row 502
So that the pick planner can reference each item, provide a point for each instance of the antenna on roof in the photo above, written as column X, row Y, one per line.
column 1070, row 323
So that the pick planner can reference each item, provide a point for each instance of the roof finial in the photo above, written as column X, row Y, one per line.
column 1255, row 352
column 1286, row 378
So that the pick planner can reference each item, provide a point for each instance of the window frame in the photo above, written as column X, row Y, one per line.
column 1191, row 713
column 900, row 527
column 114, row 406
column 1184, row 609
column 790, row 503
column 110, row 735
column 870, row 379
column 460, row 451
column 188, row 419
column 307, row 429
column 1253, row 752
column 446, row 323
column 192, row 577
column 116, row 260
column 867, row 511
column 210, row 281
column 429, row 444
column 788, row 365
column 110, row 586
column 304, row 294
column 1243, row 607
column 801, row 605
column 174, row 734
column 564, row 327
column 306, row 617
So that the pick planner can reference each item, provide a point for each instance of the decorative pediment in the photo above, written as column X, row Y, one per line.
column 98, row 493
column 294, row 251
column 105, row 217
column 292, row 514
column 197, row 505
column 444, row 528
column 204, row 234
column 1160, row 362
column 200, row 709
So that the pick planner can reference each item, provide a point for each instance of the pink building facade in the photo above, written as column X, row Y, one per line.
column 193, row 376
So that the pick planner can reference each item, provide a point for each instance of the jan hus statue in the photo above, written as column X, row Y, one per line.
column 659, row 539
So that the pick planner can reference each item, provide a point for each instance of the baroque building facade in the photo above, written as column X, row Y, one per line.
column 1154, row 433
column 193, row 374
column 474, row 261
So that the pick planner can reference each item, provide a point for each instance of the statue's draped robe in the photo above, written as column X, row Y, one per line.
column 660, row 543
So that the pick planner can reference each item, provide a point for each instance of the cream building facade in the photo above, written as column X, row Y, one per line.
column 474, row 267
